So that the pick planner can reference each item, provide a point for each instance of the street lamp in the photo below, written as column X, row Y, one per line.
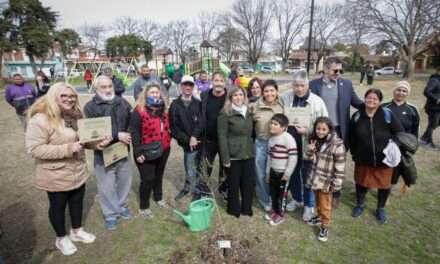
column 310, row 36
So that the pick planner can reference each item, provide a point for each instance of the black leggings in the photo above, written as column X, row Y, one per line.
column 151, row 173
column 382, row 196
column 241, row 182
column 57, row 207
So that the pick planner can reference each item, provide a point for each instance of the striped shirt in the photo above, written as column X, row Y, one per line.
column 282, row 154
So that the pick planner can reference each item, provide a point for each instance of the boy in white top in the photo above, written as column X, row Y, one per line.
column 281, row 161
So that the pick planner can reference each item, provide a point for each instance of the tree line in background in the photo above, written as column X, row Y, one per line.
column 410, row 27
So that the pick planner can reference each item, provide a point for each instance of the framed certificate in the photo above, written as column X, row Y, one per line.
column 114, row 153
column 94, row 129
column 298, row 116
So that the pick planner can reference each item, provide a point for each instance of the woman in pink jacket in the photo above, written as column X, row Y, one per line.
column 60, row 164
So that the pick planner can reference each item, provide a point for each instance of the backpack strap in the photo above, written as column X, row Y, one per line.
column 387, row 115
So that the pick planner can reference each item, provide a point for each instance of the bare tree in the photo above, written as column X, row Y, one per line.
column 403, row 23
column 328, row 20
column 252, row 18
column 150, row 31
column 207, row 24
column 356, row 28
column 181, row 34
column 290, row 18
column 94, row 36
column 126, row 25
column 228, row 39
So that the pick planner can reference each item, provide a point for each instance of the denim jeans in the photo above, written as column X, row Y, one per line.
column 191, row 163
column 262, row 187
column 300, row 192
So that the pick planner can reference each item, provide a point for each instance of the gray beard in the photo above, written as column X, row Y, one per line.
column 107, row 97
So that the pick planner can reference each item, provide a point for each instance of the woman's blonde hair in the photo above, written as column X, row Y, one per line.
column 140, row 102
column 48, row 104
column 227, row 108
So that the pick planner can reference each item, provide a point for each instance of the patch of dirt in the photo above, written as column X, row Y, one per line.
column 240, row 252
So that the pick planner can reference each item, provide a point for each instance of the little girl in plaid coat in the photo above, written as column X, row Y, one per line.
column 327, row 153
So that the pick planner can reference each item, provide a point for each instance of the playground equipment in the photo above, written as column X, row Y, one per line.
column 121, row 66
column 199, row 214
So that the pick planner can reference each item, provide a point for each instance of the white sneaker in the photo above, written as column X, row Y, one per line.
column 308, row 213
column 146, row 213
column 82, row 236
column 65, row 245
column 162, row 204
column 293, row 205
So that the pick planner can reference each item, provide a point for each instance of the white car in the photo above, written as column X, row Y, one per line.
column 267, row 69
column 294, row 69
column 246, row 69
column 387, row 71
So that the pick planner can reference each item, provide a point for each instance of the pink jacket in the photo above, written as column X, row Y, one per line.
column 56, row 167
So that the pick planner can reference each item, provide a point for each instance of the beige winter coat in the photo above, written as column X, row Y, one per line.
column 262, row 115
column 56, row 167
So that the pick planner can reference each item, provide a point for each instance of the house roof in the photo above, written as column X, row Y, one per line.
column 163, row 51
column 208, row 44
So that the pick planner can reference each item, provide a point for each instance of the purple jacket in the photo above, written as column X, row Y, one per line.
column 20, row 97
column 203, row 86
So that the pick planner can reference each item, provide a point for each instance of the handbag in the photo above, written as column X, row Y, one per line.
column 152, row 151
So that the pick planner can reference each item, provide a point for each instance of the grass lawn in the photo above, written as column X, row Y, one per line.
column 411, row 236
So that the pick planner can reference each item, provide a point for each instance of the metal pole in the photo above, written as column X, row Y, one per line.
column 310, row 36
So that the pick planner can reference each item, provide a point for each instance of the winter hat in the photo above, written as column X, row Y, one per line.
column 403, row 84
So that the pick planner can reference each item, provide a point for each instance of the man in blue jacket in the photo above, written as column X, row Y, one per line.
column 338, row 95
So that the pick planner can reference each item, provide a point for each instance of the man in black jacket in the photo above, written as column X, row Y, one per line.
column 114, row 180
column 186, row 128
column 118, row 85
column 213, row 101
column 432, row 108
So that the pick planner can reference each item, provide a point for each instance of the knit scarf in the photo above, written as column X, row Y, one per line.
column 71, row 117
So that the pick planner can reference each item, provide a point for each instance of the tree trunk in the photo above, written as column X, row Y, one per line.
column 409, row 59
column 33, row 65
column 1, row 64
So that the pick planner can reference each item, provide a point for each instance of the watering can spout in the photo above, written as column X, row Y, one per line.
column 186, row 218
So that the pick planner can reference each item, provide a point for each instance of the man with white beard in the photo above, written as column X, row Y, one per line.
column 113, row 181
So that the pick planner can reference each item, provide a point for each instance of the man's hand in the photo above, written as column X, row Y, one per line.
column 104, row 143
column 124, row 137
column 302, row 130
column 193, row 142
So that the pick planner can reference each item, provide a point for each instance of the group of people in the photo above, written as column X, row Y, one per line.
column 261, row 150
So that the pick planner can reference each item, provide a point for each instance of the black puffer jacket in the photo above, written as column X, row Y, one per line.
column 118, row 109
column 432, row 93
column 369, row 136
column 186, row 122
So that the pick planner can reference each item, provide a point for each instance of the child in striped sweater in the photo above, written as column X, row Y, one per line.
column 281, row 161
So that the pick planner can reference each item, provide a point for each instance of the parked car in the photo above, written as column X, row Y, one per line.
column 387, row 71
column 294, row 69
column 267, row 69
column 246, row 69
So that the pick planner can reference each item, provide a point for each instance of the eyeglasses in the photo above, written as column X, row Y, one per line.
column 68, row 96
column 336, row 71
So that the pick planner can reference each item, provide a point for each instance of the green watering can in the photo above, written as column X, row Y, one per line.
column 199, row 214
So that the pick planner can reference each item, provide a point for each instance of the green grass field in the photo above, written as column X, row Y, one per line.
column 410, row 236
